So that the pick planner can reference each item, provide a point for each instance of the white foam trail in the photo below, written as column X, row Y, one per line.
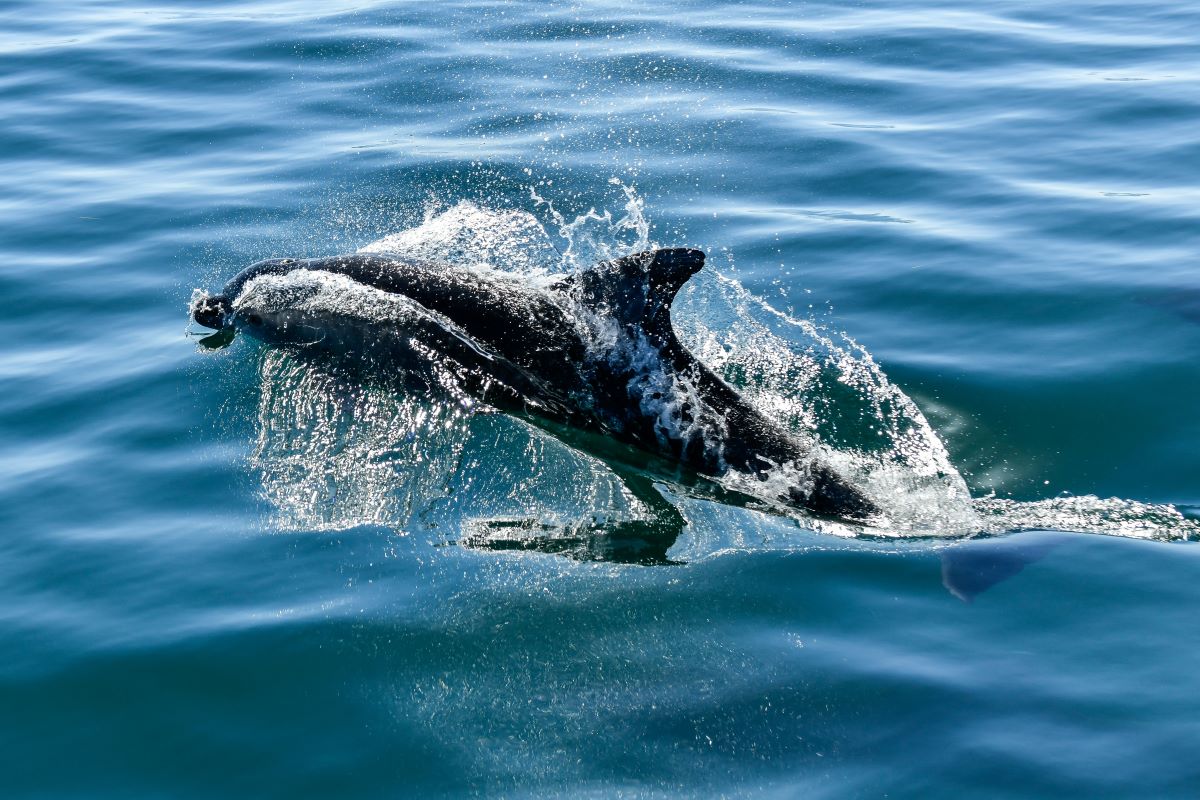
column 1088, row 514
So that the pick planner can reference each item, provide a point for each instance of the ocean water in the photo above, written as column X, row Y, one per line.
column 957, row 244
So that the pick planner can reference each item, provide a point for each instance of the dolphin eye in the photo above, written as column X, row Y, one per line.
column 254, row 319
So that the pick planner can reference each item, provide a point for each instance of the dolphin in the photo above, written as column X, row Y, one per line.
column 590, row 356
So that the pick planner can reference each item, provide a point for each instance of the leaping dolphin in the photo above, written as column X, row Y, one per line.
column 594, row 352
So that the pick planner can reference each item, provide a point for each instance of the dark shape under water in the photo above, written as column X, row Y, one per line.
column 590, row 357
column 971, row 568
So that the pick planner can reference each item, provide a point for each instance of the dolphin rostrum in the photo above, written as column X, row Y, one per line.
column 593, row 352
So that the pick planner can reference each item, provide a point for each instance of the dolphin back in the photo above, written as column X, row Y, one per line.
column 638, row 291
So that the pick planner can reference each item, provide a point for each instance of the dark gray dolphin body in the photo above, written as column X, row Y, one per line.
column 594, row 351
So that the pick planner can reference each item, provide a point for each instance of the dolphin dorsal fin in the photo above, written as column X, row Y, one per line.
column 638, row 290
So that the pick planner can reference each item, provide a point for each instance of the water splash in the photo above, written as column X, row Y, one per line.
column 333, row 453
column 595, row 236
column 471, row 236
column 827, row 385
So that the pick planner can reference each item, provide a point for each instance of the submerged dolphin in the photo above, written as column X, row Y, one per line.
column 593, row 352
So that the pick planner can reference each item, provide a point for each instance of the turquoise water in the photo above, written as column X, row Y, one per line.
column 222, row 574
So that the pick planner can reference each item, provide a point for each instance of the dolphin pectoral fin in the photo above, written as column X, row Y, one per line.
column 637, row 541
column 627, row 542
column 665, row 515
column 971, row 568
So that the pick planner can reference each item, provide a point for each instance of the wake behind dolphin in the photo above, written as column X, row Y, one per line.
column 594, row 351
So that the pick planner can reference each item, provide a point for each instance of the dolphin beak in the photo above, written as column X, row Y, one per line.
column 211, row 312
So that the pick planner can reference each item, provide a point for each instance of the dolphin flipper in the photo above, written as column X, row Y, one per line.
column 638, row 541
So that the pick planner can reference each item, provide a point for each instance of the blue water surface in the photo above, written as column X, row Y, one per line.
column 1001, row 202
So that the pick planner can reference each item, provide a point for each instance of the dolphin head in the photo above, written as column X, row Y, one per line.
column 299, row 305
column 303, row 308
column 216, row 310
column 210, row 311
